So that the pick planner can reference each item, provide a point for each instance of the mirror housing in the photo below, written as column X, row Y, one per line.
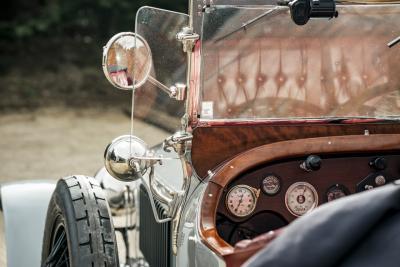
column 127, row 61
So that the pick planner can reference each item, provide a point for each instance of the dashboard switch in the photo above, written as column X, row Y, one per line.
column 379, row 163
column 312, row 163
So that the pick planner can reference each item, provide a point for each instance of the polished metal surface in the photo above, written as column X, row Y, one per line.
column 191, row 250
column 119, row 194
column 125, row 158
column 180, row 142
column 178, row 92
column 188, row 38
column 127, row 61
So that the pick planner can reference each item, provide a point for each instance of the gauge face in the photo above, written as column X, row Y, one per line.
column 335, row 192
column 300, row 198
column 241, row 200
column 271, row 185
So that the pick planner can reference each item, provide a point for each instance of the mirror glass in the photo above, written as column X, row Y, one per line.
column 127, row 61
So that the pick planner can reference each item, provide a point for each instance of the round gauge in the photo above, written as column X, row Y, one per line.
column 271, row 185
column 300, row 198
column 241, row 200
column 335, row 192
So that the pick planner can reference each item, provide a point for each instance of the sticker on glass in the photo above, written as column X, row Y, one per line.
column 207, row 110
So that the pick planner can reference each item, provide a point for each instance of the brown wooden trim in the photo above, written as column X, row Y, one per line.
column 193, row 107
column 211, row 146
column 277, row 151
column 208, row 230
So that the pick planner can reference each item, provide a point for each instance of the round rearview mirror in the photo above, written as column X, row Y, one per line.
column 127, row 61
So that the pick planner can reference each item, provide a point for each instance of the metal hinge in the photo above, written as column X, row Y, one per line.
column 188, row 38
column 178, row 91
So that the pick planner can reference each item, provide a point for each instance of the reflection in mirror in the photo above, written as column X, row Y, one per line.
column 127, row 61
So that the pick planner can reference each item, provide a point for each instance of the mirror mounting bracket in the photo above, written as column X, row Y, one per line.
column 188, row 38
column 178, row 91
column 180, row 142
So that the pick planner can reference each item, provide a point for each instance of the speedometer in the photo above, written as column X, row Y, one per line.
column 241, row 200
column 301, row 198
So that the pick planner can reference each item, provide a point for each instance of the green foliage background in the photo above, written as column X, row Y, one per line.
column 50, row 50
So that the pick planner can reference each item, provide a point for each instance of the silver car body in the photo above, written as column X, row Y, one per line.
column 24, row 207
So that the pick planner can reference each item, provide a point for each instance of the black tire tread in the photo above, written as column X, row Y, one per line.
column 91, row 224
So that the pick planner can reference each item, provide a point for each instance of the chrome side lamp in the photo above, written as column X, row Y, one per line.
column 127, row 158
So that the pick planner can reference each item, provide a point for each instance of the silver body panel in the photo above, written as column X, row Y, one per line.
column 191, row 250
column 24, row 206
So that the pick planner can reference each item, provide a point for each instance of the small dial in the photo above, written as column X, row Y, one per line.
column 241, row 200
column 301, row 198
column 335, row 192
column 271, row 185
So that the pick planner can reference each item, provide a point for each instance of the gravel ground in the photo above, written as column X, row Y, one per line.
column 51, row 143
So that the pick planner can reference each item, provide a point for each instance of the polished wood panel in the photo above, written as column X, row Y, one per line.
column 379, row 143
column 208, row 230
column 212, row 145
column 344, row 170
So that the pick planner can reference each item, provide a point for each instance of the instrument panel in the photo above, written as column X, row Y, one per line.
column 272, row 196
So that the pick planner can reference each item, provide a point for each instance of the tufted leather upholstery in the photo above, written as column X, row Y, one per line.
column 327, row 68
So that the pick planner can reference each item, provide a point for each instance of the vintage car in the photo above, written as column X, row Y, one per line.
column 260, row 113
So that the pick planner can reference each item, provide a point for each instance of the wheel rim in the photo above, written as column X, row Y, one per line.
column 59, row 255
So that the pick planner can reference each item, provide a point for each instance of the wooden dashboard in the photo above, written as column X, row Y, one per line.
column 345, row 160
column 339, row 175
column 214, row 144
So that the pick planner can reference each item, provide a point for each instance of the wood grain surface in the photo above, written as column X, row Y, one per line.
column 212, row 145
column 265, row 154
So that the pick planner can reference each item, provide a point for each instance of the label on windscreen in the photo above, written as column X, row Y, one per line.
column 207, row 110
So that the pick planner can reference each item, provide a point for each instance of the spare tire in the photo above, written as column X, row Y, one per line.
column 79, row 229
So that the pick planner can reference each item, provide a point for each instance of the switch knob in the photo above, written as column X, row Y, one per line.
column 312, row 163
column 379, row 163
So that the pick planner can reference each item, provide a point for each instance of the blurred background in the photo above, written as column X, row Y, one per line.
column 57, row 110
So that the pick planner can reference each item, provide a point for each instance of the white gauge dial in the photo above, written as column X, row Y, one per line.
column 301, row 198
column 241, row 200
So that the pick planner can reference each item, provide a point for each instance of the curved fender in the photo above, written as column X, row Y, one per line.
column 24, row 206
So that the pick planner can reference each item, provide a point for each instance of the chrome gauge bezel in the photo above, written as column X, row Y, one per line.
column 336, row 187
column 279, row 185
column 255, row 194
column 290, row 189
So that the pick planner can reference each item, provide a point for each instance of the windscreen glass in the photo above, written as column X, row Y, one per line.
column 258, row 64
column 154, row 108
